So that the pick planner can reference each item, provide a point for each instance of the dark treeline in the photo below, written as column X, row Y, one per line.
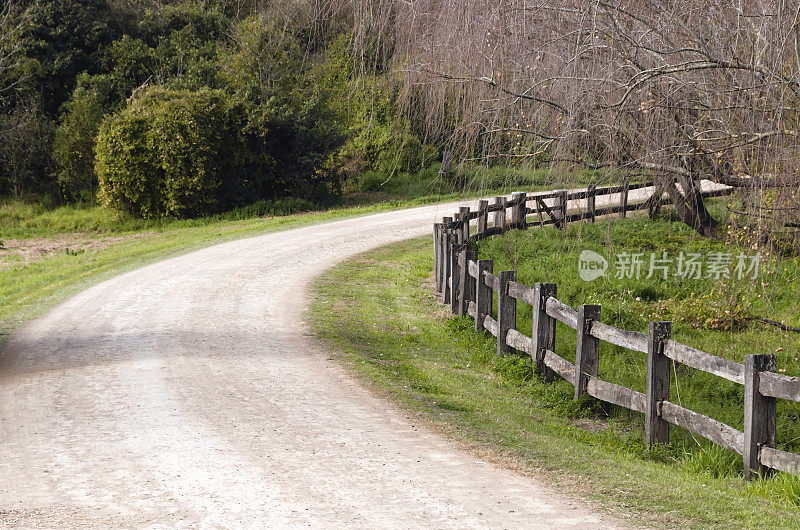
column 189, row 108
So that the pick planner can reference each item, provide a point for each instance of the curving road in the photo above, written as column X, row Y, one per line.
column 188, row 393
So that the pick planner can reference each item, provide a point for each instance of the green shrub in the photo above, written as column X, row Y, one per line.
column 294, row 108
column 130, row 64
column 378, row 140
column 171, row 153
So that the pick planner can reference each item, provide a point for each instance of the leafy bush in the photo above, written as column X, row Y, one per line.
column 294, row 118
column 297, row 113
column 206, row 24
column 172, row 153
column 130, row 63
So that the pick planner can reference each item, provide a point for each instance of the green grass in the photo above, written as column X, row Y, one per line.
column 379, row 312
column 23, row 220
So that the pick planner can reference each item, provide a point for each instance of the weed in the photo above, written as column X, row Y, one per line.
column 780, row 487
column 713, row 460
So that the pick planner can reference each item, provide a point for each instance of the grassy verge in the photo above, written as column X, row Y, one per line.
column 379, row 312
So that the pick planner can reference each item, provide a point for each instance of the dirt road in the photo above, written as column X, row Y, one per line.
column 188, row 393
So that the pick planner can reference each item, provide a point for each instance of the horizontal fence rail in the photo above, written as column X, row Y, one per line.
column 470, row 286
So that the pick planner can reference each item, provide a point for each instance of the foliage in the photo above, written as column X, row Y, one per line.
column 264, row 59
column 294, row 118
column 725, row 306
column 171, row 152
column 65, row 37
column 303, row 119
column 129, row 63
column 378, row 140
column 206, row 24
column 25, row 143
column 73, row 145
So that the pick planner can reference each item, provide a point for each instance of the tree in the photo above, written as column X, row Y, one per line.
column 25, row 139
column 294, row 107
column 681, row 91
column 14, row 69
column 74, row 141
column 66, row 38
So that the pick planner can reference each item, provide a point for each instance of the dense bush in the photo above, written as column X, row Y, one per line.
column 293, row 111
column 206, row 106
column 378, row 140
column 172, row 153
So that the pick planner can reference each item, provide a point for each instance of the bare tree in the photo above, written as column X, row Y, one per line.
column 678, row 90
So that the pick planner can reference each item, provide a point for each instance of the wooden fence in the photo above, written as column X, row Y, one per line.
column 469, row 286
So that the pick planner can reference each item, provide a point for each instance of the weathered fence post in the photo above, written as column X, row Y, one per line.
column 437, row 258
column 500, row 214
column 656, row 429
column 559, row 208
column 437, row 242
column 455, row 274
column 463, row 275
column 443, row 255
column 483, row 294
column 449, row 237
column 483, row 217
column 591, row 194
column 468, row 288
column 518, row 210
column 544, row 328
column 506, row 311
column 587, row 354
column 464, row 216
column 759, row 414
column 623, row 201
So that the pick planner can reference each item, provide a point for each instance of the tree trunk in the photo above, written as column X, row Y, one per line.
column 689, row 204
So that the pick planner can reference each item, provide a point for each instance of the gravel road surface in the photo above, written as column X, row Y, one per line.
column 188, row 393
